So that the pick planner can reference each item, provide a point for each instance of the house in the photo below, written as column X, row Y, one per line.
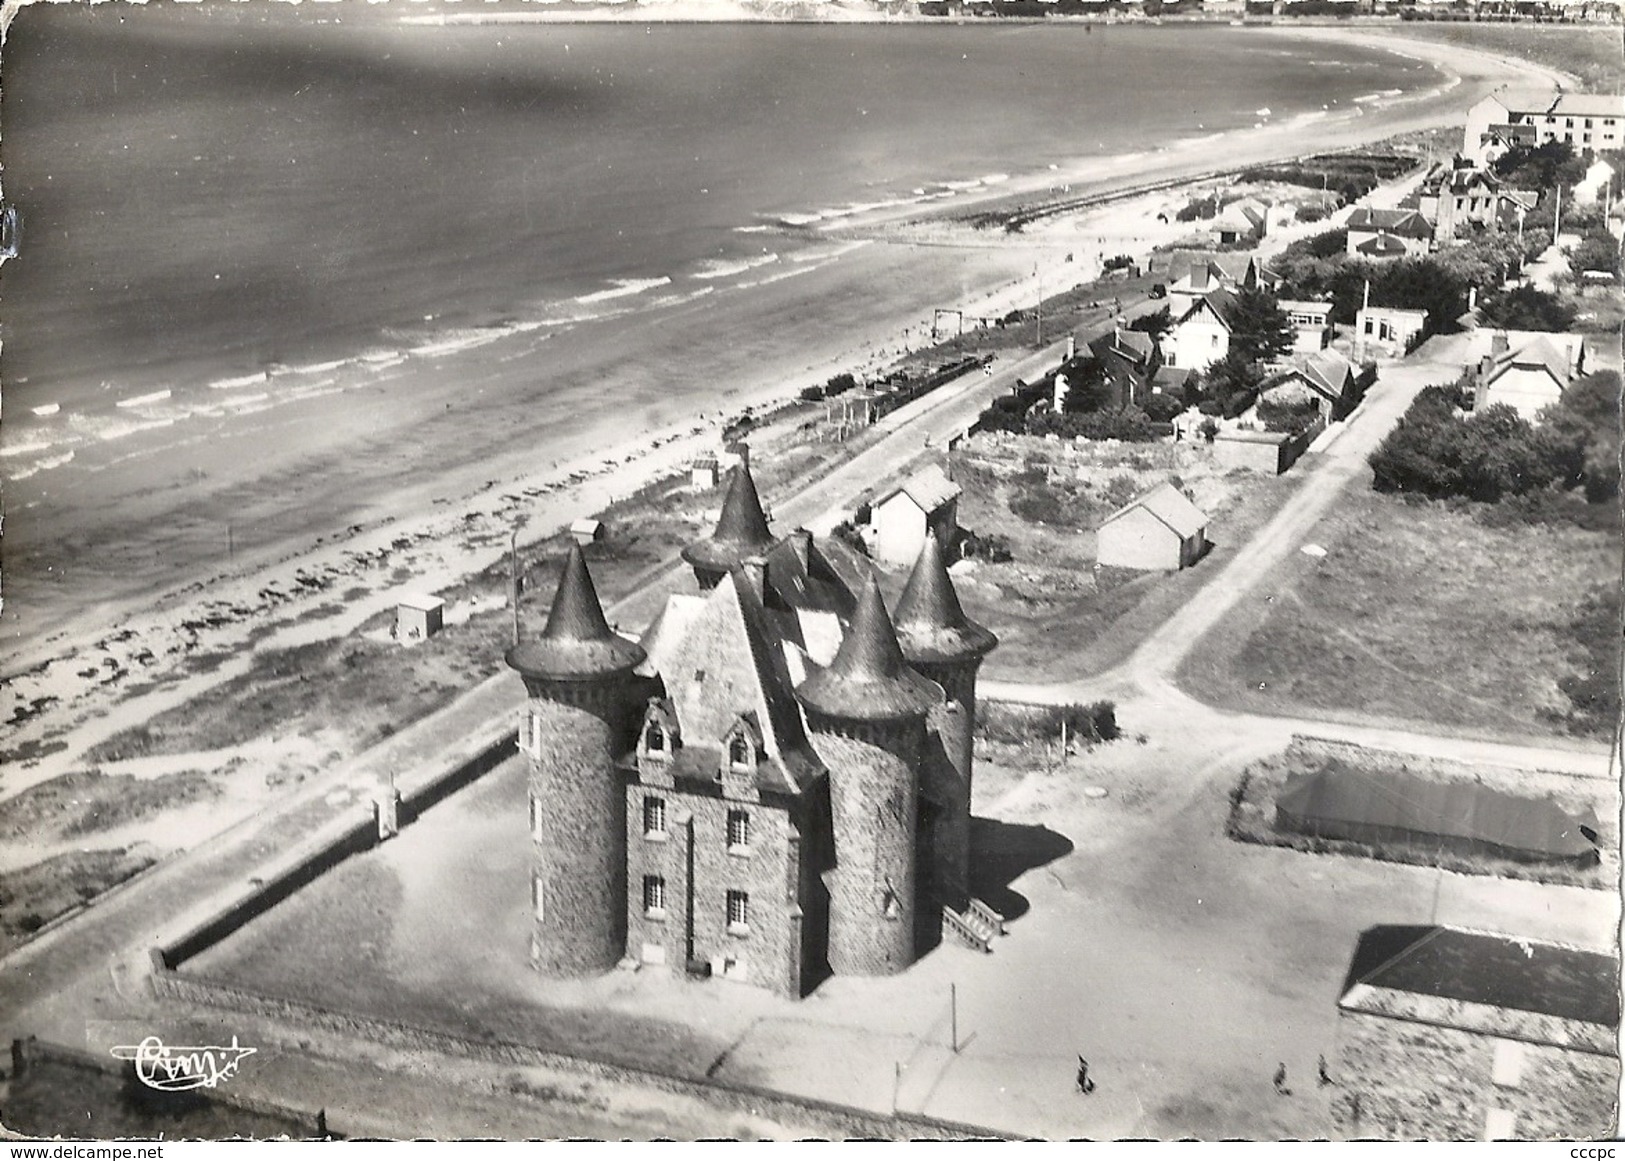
column 587, row 531
column 1160, row 529
column 900, row 520
column 1381, row 233
column 1458, row 197
column 1527, row 377
column 1242, row 222
column 1311, row 321
column 1201, row 336
column 1586, row 121
column 1268, row 452
column 1599, row 176
column 772, row 785
column 1325, row 378
column 418, row 617
column 1129, row 361
column 1193, row 277
column 1390, row 330
column 1446, row 1033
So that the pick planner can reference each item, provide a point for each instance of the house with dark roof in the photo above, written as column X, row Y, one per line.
column 1383, row 233
column 1193, row 277
column 902, row 519
column 1159, row 529
column 1450, row 1034
column 1128, row 362
column 1242, row 221
column 772, row 785
column 1325, row 378
column 1458, row 197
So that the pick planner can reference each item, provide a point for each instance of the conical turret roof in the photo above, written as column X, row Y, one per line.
column 869, row 680
column 577, row 644
column 741, row 530
column 931, row 626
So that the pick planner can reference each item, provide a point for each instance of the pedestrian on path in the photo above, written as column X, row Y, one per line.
column 1280, row 1080
column 1085, row 1085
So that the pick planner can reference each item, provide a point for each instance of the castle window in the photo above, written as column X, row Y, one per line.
column 738, row 913
column 739, row 750
column 654, row 818
column 538, row 895
column 1506, row 1068
column 535, row 818
column 738, row 832
column 889, row 905
column 654, row 739
column 654, row 896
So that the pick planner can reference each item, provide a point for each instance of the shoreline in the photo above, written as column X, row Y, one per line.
column 160, row 584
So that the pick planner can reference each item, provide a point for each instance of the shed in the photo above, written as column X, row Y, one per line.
column 1346, row 802
column 704, row 472
column 1270, row 452
column 901, row 519
column 588, row 531
column 418, row 617
column 1160, row 529
column 1389, row 329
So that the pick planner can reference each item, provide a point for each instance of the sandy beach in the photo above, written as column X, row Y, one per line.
column 156, row 549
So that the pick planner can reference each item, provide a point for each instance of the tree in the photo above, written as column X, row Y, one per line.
column 1540, row 167
column 1524, row 308
column 1155, row 324
column 1598, row 251
column 1259, row 329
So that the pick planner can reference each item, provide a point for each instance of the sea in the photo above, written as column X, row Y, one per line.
column 226, row 207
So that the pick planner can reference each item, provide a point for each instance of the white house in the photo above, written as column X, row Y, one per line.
column 1201, row 336
column 900, row 520
column 1389, row 330
column 1311, row 323
column 1530, row 375
column 1160, row 529
column 1594, row 121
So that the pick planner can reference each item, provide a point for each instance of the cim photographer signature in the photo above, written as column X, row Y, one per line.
column 177, row 1069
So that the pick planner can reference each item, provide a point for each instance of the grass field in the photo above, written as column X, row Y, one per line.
column 1418, row 612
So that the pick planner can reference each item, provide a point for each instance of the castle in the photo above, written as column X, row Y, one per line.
column 773, row 786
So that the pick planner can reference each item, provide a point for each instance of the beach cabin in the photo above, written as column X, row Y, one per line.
column 704, row 473
column 1160, row 529
column 899, row 521
column 588, row 531
column 418, row 617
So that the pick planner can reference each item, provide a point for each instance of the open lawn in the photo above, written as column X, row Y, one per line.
column 1421, row 613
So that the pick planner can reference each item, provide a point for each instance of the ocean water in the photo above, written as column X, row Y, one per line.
column 229, row 206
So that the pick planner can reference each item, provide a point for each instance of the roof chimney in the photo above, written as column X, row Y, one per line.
column 801, row 545
column 1500, row 343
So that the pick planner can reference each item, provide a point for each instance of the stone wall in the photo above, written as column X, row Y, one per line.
column 1402, row 1079
column 835, row 1119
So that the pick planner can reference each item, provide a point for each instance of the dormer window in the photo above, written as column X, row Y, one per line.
column 654, row 739
column 739, row 755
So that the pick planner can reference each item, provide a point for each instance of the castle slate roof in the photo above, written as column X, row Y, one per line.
column 1169, row 505
column 1501, row 971
column 577, row 644
column 741, row 530
column 931, row 624
column 869, row 680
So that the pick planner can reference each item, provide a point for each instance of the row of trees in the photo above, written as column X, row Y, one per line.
column 1494, row 454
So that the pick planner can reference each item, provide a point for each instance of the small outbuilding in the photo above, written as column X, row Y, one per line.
column 418, row 617
column 588, row 531
column 704, row 472
column 1160, row 529
column 900, row 520
column 1388, row 329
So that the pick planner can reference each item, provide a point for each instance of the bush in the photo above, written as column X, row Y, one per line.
column 1198, row 209
column 838, row 384
column 1163, row 408
column 1020, row 723
column 1291, row 416
column 991, row 547
column 1524, row 308
column 1130, row 426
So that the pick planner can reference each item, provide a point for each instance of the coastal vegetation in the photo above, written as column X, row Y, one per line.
column 1426, row 612
column 1351, row 174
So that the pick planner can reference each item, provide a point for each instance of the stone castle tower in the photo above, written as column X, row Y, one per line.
column 580, row 717
column 866, row 714
column 741, row 534
column 942, row 644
